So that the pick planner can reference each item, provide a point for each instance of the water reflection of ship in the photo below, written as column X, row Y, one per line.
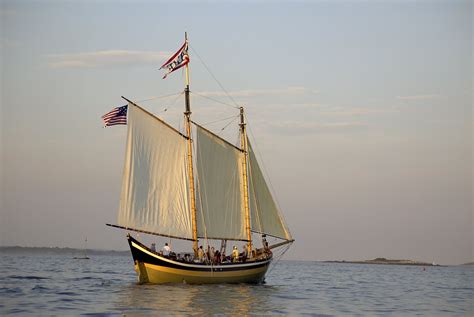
column 186, row 299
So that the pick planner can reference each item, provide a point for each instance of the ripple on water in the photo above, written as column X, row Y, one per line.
column 84, row 278
column 27, row 277
column 39, row 288
column 68, row 293
column 106, row 313
column 18, row 311
column 11, row 290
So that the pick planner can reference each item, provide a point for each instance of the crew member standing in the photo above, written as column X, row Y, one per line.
column 166, row 250
column 235, row 254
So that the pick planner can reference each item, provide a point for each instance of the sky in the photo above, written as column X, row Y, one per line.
column 361, row 112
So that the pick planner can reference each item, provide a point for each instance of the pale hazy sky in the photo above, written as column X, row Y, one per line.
column 362, row 114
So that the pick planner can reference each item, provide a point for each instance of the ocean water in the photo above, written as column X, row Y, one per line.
column 55, row 284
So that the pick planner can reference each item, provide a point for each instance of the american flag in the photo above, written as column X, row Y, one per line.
column 116, row 116
column 178, row 60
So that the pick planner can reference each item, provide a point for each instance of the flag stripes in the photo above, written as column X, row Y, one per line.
column 115, row 117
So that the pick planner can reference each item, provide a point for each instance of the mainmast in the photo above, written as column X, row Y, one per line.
column 243, row 144
column 187, row 121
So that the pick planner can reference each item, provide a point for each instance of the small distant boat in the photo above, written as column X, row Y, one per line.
column 84, row 257
column 228, row 199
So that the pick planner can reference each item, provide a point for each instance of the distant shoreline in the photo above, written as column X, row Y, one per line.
column 385, row 261
column 58, row 250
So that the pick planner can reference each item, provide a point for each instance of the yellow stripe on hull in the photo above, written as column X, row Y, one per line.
column 150, row 273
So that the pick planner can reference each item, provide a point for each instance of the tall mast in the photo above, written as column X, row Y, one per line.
column 243, row 144
column 187, row 121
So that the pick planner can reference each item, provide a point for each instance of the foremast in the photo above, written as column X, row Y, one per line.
column 187, row 122
column 243, row 144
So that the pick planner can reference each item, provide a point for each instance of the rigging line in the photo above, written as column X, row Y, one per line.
column 280, row 214
column 229, row 123
column 160, row 97
column 171, row 104
column 216, row 121
column 215, row 100
column 207, row 68
column 176, row 99
column 279, row 258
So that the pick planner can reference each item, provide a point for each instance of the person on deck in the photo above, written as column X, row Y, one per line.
column 200, row 254
column 207, row 258
column 235, row 254
column 211, row 255
column 217, row 257
column 223, row 257
column 244, row 254
column 153, row 247
column 265, row 243
column 166, row 250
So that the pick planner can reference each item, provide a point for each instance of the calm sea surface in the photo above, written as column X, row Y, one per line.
column 32, row 284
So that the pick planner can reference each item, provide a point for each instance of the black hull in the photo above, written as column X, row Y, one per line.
column 153, row 268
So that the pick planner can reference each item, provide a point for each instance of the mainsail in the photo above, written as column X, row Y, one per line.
column 265, row 215
column 155, row 182
column 219, row 166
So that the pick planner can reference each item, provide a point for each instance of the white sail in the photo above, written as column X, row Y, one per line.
column 155, row 182
column 219, row 165
column 265, row 216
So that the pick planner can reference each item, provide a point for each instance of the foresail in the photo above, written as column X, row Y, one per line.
column 265, row 216
column 219, row 166
column 155, row 183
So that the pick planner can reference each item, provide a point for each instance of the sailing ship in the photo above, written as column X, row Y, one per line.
column 196, row 189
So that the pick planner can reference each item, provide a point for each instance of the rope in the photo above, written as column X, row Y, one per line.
column 229, row 123
column 174, row 101
column 216, row 121
column 160, row 97
column 220, row 85
column 215, row 100
column 172, row 104
column 279, row 258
